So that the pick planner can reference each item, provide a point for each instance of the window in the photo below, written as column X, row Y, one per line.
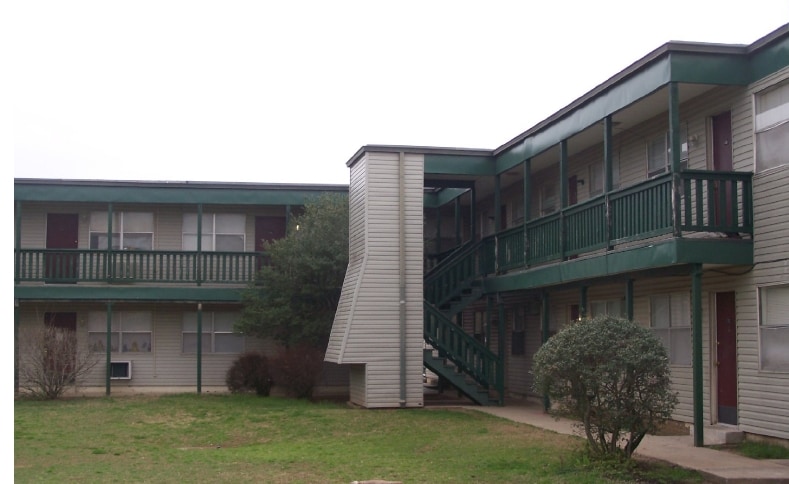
column 131, row 332
column 221, row 232
column 218, row 335
column 670, row 320
column 774, row 327
column 548, row 199
column 130, row 230
column 597, row 177
column 614, row 307
column 519, row 332
column 659, row 153
column 772, row 127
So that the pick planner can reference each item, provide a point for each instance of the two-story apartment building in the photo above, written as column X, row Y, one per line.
column 148, row 262
column 660, row 195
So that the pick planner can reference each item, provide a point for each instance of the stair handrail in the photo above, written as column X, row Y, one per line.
column 455, row 273
column 468, row 354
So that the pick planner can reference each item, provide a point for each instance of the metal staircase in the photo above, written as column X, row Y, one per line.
column 455, row 355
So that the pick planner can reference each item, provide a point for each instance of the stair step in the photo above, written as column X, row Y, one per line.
column 721, row 434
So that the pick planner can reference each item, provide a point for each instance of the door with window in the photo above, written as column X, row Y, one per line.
column 62, row 233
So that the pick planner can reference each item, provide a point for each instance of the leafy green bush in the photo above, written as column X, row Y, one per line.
column 612, row 375
column 249, row 373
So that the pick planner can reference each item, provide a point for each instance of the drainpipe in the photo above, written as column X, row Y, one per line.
column 401, row 179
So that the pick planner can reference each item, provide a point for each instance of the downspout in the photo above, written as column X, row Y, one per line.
column 401, row 208
column 698, row 375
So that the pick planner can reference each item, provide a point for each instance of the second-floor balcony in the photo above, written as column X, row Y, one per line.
column 704, row 204
column 136, row 266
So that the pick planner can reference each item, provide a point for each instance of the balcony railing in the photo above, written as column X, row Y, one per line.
column 706, row 201
column 127, row 266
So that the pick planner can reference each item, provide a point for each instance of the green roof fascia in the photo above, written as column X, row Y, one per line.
column 442, row 197
column 662, row 254
column 128, row 293
column 619, row 96
column 718, row 69
column 176, row 194
column 769, row 59
column 449, row 164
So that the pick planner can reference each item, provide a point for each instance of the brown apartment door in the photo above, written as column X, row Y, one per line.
column 268, row 228
column 722, row 161
column 62, row 233
column 726, row 357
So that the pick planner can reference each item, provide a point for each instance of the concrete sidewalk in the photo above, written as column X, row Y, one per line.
column 714, row 465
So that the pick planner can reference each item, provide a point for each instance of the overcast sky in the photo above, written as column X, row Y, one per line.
column 287, row 91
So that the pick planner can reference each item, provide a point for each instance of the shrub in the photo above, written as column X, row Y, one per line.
column 298, row 369
column 249, row 373
column 52, row 361
column 612, row 375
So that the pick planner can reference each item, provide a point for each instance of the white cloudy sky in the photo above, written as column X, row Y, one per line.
column 287, row 91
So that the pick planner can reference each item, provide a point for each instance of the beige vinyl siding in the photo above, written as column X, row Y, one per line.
column 366, row 326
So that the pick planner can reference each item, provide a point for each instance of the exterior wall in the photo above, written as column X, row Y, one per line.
column 367, row 324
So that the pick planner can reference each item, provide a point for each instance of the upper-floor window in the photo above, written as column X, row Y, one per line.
column 597, row 177
column 774, row 327
column 130, row 230
column 659, row 153
column 772, row 127
column 221, row 232
column 131, row 331
column 670, row 320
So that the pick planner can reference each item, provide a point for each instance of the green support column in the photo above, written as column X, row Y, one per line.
column 110, row 266
column 496, row 220
column 438, row 230
column 108, row 352
column 458, row 223
column 199, row 348
column 502, row 351
column 198, row 259
column 546, row 325
column 563, row 196
column 698, row 375
column 17, row 241
column 488, row 321
column 582, row 310
column 608, row 173
column 526, row 208
column 675, row 166
column 474, row 213
column 629, row 299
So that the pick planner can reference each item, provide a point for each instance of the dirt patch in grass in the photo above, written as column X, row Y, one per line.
column 673, row 427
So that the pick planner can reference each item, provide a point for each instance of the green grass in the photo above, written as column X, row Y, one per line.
column 237, row 438
column 762, row 450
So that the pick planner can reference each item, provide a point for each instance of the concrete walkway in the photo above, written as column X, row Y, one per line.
column 714, row 465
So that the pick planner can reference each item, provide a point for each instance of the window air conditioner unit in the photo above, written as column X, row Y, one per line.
column 120, row 370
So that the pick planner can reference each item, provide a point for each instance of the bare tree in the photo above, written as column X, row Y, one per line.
column 51, row 361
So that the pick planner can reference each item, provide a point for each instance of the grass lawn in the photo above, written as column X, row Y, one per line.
column 239, row 438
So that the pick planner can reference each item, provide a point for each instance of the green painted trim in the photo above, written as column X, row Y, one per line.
column 606, row 103
column 441, row 198
column 769, row 59
column 444, row 164
column 128, row 293
column 660, row 254
column 173, row 193
column 719, row 69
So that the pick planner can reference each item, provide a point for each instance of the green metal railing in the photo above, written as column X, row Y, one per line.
column 454, row 274
column 468, row 354
column 90, row 265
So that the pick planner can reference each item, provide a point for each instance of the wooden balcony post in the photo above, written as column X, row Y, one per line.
column 198, row 261
column 438, row 230
column 199, row 347
column 675, row 165
column 526, row 208
column 562, row 197
column 458, row 222
column 608, row 161
column 110, row 264
column 496, row 220
column 500, row 359
column 17, row 241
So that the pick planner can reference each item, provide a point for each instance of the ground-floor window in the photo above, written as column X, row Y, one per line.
column 131, row 331
column 218, row 334
column 670, row 320
column 518, row 346
column 614, row 307
column 774, row 327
